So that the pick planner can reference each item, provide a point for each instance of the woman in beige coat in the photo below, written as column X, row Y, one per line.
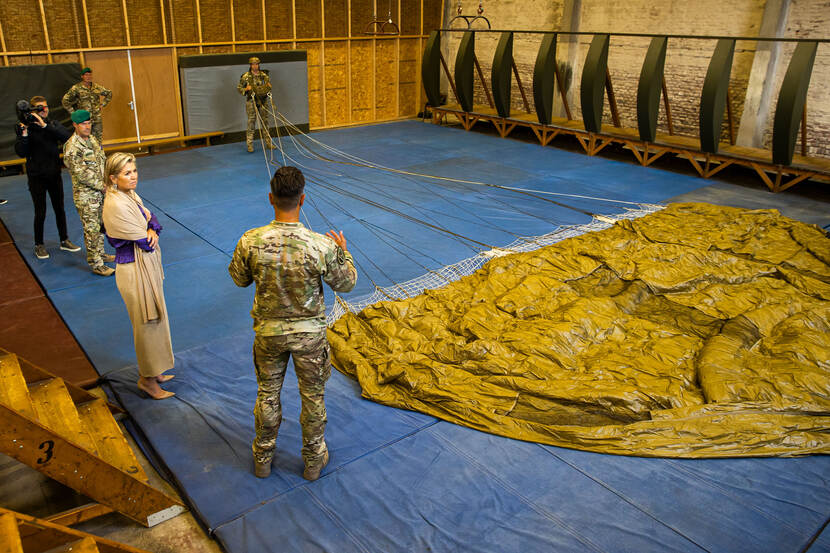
column 134, row 233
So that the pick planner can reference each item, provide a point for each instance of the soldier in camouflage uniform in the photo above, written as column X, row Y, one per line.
column 287, row 262
column 91, row 97
column 255, row 84
column 85, row 160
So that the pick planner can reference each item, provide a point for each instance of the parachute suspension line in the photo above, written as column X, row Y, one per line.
column 276, row 126
column 359, row 266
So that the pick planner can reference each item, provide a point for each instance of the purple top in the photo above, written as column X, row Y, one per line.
column 124, row 252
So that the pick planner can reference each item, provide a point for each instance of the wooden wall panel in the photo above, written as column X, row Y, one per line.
column 110, row 68
column 28, row 60
column 183, row 22
column 22, row 27
column 386, row 71
column 71, row 57
column 308, row 19
column 216, row 19
column 315, row 97
column 145, row 22
column 337, row 22
column 335, row 68
column 408, row 78
column 155, row 92
column 433, row 15
column 362, row 84
column 361, row 15
column 279, row 19
column 65, row 23
column 106, row 23
column 247, row 18
column 410, row 17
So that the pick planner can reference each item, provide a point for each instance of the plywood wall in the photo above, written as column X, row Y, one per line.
column 353, row 77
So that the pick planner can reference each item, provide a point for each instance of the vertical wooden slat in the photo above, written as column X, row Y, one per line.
column 323, row 59
column 126, row 22
column 172, row 23
column 419, row 54
column 45, row 30
column 294, row 23
column 163, row 22
column 86, row 25
column 264, row 28
column 349, row 59
column 398, row 66
column 199, row 25
column 174, row 62
column 3, row 44
column 233, row 27
column 374, row 71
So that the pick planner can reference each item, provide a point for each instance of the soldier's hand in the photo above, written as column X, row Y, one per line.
column 339, row 239
column 248, row 88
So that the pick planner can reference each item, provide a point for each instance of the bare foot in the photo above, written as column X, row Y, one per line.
column 165, row 377
column 152, row 388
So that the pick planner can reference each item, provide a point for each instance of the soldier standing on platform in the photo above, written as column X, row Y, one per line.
column 85, row 159
column 90, row 97
column 255, row 84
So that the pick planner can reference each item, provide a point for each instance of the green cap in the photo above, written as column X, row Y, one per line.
column 86, row 70
column 80, row 115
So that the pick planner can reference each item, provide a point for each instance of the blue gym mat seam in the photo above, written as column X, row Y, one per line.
column 624, row 498
column 332, row 516
column 540, row 510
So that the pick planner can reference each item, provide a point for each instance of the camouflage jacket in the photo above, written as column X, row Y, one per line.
column 85, row 160
column 287, row 262
column 81, row 96
column 260, row 84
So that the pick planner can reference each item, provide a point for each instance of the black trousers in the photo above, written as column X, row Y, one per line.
column 38, row 187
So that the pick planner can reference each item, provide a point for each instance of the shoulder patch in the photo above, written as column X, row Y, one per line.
column 341, row 257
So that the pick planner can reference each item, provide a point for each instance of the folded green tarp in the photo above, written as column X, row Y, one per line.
column 696, row 331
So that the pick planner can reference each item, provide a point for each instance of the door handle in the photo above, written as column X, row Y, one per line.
column 132, row 107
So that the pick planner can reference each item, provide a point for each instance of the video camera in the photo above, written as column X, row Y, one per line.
column 25, row 110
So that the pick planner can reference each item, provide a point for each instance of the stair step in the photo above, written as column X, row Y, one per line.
column 13, row 390
column 86, row 545
column 56, row 411
column 9, row 534
column 110, row 442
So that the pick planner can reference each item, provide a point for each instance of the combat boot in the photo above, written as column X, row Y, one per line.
column 313, row 472
column 250, row 148
column 262, row 470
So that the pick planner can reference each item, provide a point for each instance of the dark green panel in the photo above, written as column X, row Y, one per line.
column 650, row 88
column 501, row 76
column 431, row 69
column 592, row 93
column 791, row 99
column 544, row 79
column 464, row 70
column 713, row 97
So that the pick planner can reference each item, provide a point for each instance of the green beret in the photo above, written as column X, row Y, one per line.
column 80, row 115
column 253, row 59
column 86, row 70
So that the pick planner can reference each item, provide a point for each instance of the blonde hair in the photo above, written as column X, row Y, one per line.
column 115, row 163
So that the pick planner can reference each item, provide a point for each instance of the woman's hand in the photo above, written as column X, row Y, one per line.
column 152, row 238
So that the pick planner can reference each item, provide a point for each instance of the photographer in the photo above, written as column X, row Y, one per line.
column 38, row 140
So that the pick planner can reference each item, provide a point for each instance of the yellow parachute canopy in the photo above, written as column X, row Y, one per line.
column 696, row 331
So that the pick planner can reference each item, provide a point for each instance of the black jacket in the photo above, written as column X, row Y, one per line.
column 42, row 148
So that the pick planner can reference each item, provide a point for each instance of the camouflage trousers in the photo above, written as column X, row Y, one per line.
column 266, row 116
column 310, row 351
column 98, row 131
column 90, row 206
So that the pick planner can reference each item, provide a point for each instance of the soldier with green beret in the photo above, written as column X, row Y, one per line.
column 255, row 85
column 85, row 159
column 90, row 97
column 289, row 263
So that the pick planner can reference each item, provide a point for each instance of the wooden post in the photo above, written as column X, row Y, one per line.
column 199, row 25
column 163, row 22
column 323, row 61
column 172, row 25
column 3, row 45
column 420, row 53
column 294, row 24
column 126, row 22
column 481, row 77
column 45, row 30
column 398, row 65
column 804, row 130
column 233, row 27
column 562, row 93
column 521, row 88
column 729, row 117
column 612, row 100
column 667, row 106
column 449, row 78
column 264, row 28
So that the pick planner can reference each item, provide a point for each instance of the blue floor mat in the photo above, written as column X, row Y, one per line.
column 399, row 480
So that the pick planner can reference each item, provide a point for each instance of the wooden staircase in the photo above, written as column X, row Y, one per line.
column 24, row 534
column 71, row 436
